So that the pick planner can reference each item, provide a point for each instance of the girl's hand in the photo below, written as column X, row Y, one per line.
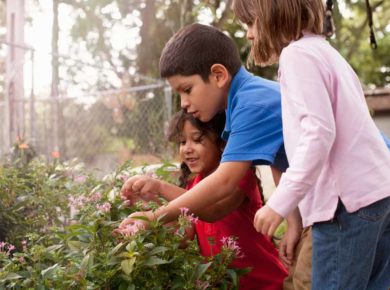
column 145, row 186
column 267, row 220
column 288, row 244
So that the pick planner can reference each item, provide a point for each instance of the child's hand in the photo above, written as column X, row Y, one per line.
column 287, row 245
column 267, row 220
column 130, row 225
column 143, row 185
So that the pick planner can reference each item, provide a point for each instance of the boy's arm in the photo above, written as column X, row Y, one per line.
column 223, row 207
column 170, row 191
column 211, row 190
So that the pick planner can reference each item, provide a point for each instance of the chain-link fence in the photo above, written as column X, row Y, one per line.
column 102, row 130
column 3, row 129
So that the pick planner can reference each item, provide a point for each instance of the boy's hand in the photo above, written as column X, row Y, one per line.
column 130, row 225
column 287, row 245
column 267, row 220
column 143, row 185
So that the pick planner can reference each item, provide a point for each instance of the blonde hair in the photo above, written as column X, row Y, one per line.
column 277, row 23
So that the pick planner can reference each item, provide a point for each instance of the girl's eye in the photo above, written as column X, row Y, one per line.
column 182, row 142
column 198, row 139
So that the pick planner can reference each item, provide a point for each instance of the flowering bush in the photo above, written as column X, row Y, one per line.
column 67, row 241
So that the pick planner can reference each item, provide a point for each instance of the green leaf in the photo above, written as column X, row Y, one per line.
column 128, row 265
column 48, row 271
column 115, row 249
column 233, row 275
column 153, row 260
column 201, row 269
column 140, row 217
column 11, row 276
column 87, row 262
column 77, row 246
column 124, row 286
column 158, row 250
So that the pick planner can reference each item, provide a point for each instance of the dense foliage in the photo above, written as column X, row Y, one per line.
column 57, row 233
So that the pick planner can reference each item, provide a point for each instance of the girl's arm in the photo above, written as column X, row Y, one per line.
column 294, row 229
column 145, row 186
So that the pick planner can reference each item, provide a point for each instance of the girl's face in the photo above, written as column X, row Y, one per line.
column 250, row 32
column 199, row 152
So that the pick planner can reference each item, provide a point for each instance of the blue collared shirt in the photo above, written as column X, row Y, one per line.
column 253, row 128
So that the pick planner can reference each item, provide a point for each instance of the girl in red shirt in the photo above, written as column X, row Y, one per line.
column 200, row 149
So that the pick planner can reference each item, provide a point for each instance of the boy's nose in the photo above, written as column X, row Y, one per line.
column 184, row 103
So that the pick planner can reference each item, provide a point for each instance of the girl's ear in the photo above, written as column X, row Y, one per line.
column 219, row 74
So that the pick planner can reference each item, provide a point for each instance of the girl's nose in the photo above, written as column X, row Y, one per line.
column 250, row 34
column 188, row 147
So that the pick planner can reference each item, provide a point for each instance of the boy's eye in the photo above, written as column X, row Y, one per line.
column 187, row 90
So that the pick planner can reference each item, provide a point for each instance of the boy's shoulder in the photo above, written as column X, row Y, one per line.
column 245, row 82
column 249, row 90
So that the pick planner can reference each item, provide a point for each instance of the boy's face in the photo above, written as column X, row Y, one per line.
column 203, row 100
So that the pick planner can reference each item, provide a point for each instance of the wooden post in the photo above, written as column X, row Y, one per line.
column 14, row 80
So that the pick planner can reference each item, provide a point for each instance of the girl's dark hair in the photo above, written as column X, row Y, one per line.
column 214, row 126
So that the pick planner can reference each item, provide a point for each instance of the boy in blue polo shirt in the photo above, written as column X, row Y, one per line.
column 203, row 65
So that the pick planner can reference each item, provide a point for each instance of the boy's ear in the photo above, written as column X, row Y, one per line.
column 219, row 74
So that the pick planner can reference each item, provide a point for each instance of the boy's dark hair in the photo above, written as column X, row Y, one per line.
column 195, row 48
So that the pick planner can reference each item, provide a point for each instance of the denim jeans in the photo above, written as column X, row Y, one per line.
column 352, row 251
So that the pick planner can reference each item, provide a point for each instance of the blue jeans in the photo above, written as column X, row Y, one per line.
column 352, row 251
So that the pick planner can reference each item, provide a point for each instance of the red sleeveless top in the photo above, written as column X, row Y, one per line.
column 259, row 253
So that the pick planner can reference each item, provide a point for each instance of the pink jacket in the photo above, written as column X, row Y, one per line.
column 333, row 146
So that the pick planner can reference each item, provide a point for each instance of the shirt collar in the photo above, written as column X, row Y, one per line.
column 236, row 83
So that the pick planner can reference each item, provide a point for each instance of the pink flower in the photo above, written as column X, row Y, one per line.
column 202, row 285
column 21, row 259
column 190, row 217
column 95, row 197
column 131, row 229
column 193, row 219
column 10, row 249
column 232, row 244
column 24, row 244
column 77, row 202
column 184, row 211
column 104, row 208
column 80, row 178
column 152, row 174
column 123, row 177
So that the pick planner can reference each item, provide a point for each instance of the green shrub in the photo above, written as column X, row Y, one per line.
column 57, row 225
